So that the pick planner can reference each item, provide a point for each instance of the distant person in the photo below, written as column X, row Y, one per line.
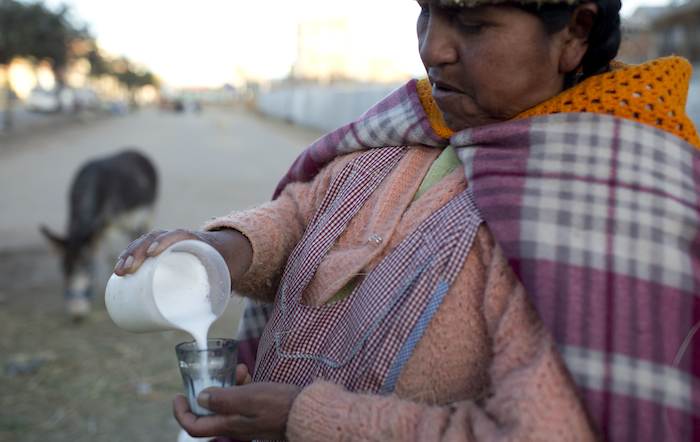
column 507, row 250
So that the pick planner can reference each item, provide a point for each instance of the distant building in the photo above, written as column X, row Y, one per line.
column 322, row 50
column 678, row 30
column 638, row 37
column 328, row 51
column 662, row 30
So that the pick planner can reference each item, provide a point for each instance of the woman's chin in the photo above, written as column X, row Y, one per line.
column 458, row 123
column 459, row 115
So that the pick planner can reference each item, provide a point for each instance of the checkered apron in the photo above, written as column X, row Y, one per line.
column 363, row 341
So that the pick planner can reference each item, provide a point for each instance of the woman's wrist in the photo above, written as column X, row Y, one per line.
column 234, row 247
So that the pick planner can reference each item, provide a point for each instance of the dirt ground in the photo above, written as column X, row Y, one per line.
column 61, row 381
column 91, row 381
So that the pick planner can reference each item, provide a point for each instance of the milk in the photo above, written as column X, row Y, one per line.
column 181, row 293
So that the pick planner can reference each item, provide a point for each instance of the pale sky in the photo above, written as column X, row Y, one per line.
column 207, row 42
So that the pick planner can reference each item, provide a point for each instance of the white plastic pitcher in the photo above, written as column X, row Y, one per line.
column 135, row 301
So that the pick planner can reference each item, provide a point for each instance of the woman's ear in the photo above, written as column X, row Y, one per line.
column 576, row 37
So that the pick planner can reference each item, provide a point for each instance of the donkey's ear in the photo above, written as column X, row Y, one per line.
column 56, row 241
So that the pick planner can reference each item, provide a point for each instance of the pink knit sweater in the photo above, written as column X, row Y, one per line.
column 485, row 368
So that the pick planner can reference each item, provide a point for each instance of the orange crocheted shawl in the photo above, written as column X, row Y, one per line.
column 653, row 93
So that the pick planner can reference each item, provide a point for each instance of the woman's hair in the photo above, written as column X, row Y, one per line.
column 603, row 40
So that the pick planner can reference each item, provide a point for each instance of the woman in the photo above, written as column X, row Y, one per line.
column 400, row 315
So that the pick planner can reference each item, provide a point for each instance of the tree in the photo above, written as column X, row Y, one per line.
column 133, row 77
column 56, row 39
column 99, row 65
column 34, row 31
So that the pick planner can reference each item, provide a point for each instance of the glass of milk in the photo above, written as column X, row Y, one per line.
column 214, row 366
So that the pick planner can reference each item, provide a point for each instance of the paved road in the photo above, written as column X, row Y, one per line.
column 209, row 164
column 24, row 121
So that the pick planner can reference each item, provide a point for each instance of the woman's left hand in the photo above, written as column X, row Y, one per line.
column 252, row 411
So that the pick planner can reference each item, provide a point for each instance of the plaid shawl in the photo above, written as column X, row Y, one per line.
column 600, row 219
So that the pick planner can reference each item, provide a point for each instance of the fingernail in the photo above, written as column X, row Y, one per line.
column 129, row 262
column 203, row 399
column 152, row 248
column 119, row 264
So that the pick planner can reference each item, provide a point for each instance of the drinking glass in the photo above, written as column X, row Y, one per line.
column 214, row 366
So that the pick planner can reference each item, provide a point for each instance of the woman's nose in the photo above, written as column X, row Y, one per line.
column 436, row 42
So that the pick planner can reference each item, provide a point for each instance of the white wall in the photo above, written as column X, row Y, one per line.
column 321, row 107
column 329, row 107
column 693, row 106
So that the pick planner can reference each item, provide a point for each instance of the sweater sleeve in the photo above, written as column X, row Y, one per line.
column 274, row 229
column 531, row 396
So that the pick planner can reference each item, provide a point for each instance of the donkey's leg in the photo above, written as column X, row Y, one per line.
column 80, row 287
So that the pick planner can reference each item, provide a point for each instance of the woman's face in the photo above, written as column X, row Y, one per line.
column 488, row 63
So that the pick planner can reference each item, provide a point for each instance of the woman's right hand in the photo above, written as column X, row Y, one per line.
column 151, row 244
column 233, row 246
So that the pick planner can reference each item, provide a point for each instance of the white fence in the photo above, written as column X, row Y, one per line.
column 321, row 107
column 693, row 106
column 329, row 107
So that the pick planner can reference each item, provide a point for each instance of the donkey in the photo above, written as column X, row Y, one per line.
column 111, row 199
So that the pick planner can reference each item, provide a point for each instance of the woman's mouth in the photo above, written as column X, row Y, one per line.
column 444, row 93
column 445, row 87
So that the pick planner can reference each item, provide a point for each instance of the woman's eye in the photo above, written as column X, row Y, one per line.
column 471, row 27
column 468, row 22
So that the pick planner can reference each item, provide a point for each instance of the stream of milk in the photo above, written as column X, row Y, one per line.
column 181, row 292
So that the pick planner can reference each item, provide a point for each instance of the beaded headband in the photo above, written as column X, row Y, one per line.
column 474, row 3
